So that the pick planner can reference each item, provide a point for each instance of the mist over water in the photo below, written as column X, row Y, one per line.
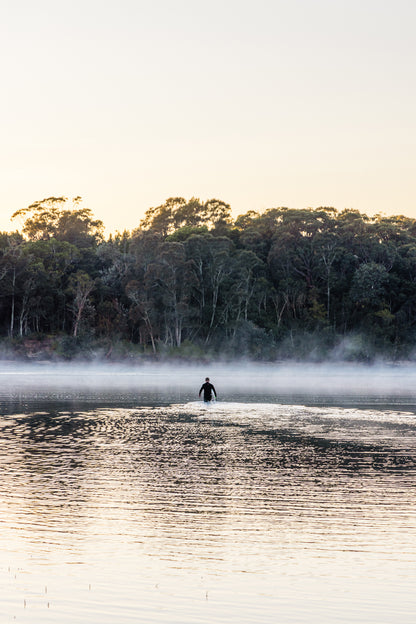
column 230, row 379
column 125, row 499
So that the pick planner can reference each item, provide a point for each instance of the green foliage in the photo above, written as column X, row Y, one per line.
column 368, row 286
column 50, row 218
column 177, row 213
column 191, row 283
column 186, row 231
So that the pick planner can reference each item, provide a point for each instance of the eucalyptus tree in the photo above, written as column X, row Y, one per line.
column 52, row 218
column 171, row 278
column 368, row 287
column 211, row 265
column 247, row 269
column 217, row 214
column 176, row 213
column 56, row 261
column 160, row 219
column 297, row 255
column 80, row 286
column 10, row 249
column 256, row 232
column 144, row 309
column 33, row 305
column 18, row 283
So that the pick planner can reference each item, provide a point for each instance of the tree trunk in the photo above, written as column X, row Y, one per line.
column 13, row 303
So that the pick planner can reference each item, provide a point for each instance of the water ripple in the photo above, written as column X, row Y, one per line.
column 248, row 505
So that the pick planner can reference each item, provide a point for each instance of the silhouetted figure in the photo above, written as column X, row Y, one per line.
column 208, row 389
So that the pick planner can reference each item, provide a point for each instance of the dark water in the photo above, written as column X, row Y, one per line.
column 122, row 507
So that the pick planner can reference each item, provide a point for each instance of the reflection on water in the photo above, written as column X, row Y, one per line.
column 236, row 512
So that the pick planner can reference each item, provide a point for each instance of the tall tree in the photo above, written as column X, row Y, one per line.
column 81, row 286
column 51, row 218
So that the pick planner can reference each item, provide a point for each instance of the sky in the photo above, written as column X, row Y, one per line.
column 259, row 103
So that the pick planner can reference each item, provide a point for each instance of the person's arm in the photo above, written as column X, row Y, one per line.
column 202, row 387
column 215, row 392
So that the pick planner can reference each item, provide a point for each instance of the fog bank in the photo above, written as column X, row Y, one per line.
column 267, row 379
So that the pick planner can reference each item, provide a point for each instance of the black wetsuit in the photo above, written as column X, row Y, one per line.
column 208, row 389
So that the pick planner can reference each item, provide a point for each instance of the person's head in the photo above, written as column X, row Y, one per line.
column 206, row 378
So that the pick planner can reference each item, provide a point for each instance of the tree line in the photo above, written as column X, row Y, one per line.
column 192, row 281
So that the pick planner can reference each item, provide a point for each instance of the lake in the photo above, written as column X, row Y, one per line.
column 124, row 499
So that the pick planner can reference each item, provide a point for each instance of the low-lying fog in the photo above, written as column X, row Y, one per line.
column 271, row 378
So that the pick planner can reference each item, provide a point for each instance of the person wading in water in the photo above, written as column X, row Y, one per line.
column 208, row 389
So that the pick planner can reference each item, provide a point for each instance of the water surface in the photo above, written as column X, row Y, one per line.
column 143, row 505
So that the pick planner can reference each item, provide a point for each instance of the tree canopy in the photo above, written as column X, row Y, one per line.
column 193, row 281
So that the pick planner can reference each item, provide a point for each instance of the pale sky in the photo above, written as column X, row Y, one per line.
column 298, row 103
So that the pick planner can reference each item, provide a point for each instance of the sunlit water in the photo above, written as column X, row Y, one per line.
column 126, row 505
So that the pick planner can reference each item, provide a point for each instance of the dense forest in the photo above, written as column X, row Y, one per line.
column 192, row 282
